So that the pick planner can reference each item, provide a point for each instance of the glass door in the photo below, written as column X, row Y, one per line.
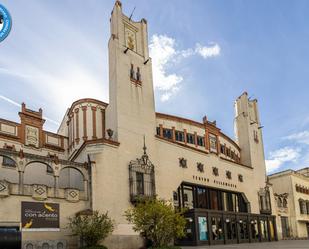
column 216, row 232
column 243, row 229
column 271, row 222
column 263, row 229
column 285, row 227
column 254, row 229
column 230, row 228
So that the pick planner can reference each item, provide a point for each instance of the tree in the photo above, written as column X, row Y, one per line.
column 157, row 221
column 91, row 228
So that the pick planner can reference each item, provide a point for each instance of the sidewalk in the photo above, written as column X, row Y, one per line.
column 282, row 244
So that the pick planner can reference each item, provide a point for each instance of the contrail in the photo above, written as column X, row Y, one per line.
column 10, row 101
column 51, row 121
column 19, row 105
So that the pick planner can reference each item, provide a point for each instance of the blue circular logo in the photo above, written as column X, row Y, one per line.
column 5, row 23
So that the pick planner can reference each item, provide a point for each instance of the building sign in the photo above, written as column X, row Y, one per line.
column 40, row 216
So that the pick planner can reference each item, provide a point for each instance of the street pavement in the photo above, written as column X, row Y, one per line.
column 282, row 244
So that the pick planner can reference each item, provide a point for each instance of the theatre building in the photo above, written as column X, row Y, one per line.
column 105, row 155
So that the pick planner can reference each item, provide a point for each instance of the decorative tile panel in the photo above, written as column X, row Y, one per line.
column 72, row 195
column 39, row 192
column 4, row 188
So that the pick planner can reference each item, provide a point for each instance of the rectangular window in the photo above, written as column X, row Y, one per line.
column 139, row 183
column 302, row 206
column 179, row 136
column 167, row 133
column 188, row 197
column 158, row 131
column 214, row 199
column 201, row 198
column 200, row 141
column 222, row 149
column 190, row 138
column 235, row 202
column 233, row 155
column 242, row 205
column 228, row 152
column 225, row 201
column 229, row 201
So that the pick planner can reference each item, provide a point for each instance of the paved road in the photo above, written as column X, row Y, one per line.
column 282, row 244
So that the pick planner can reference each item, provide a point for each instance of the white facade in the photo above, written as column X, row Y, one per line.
column 107, row 138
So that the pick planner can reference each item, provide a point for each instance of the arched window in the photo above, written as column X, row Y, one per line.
column 8, row 162
column 8, row 170
column 71, row 178
column 279, row 202
column 285, row 203
column 39, row 173
column 264, row 197
column 142, row 182
column 302, row 206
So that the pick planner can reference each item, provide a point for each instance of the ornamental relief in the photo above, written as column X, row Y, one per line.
column 4, row 188
column 39, row 192
column 32, row 136
column 130, row 39
column 72, row 195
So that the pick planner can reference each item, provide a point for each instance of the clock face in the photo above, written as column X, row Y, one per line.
column 130, row 39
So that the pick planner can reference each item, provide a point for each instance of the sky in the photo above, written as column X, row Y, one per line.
column 205, row 54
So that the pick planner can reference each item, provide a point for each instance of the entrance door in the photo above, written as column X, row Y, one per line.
column 285, row 227
column 10, row 238
column 308, row 229
column 264, row 229
column 216, row 229
column 254, row 229
column 230, row 228
column 243, row 226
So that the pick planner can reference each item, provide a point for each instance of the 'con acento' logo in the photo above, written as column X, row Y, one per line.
column 5, row 23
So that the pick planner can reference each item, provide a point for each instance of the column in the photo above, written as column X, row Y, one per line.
column 84, row 108
column 21, row 182
column 94, row 122
column 86, row 189
column 56, row 186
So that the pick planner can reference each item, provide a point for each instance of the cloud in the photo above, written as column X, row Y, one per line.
column 162, row 50
column 65, row 62
column 300, row 137
column 278, row 157
column 165, row 54
column 208, row 51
